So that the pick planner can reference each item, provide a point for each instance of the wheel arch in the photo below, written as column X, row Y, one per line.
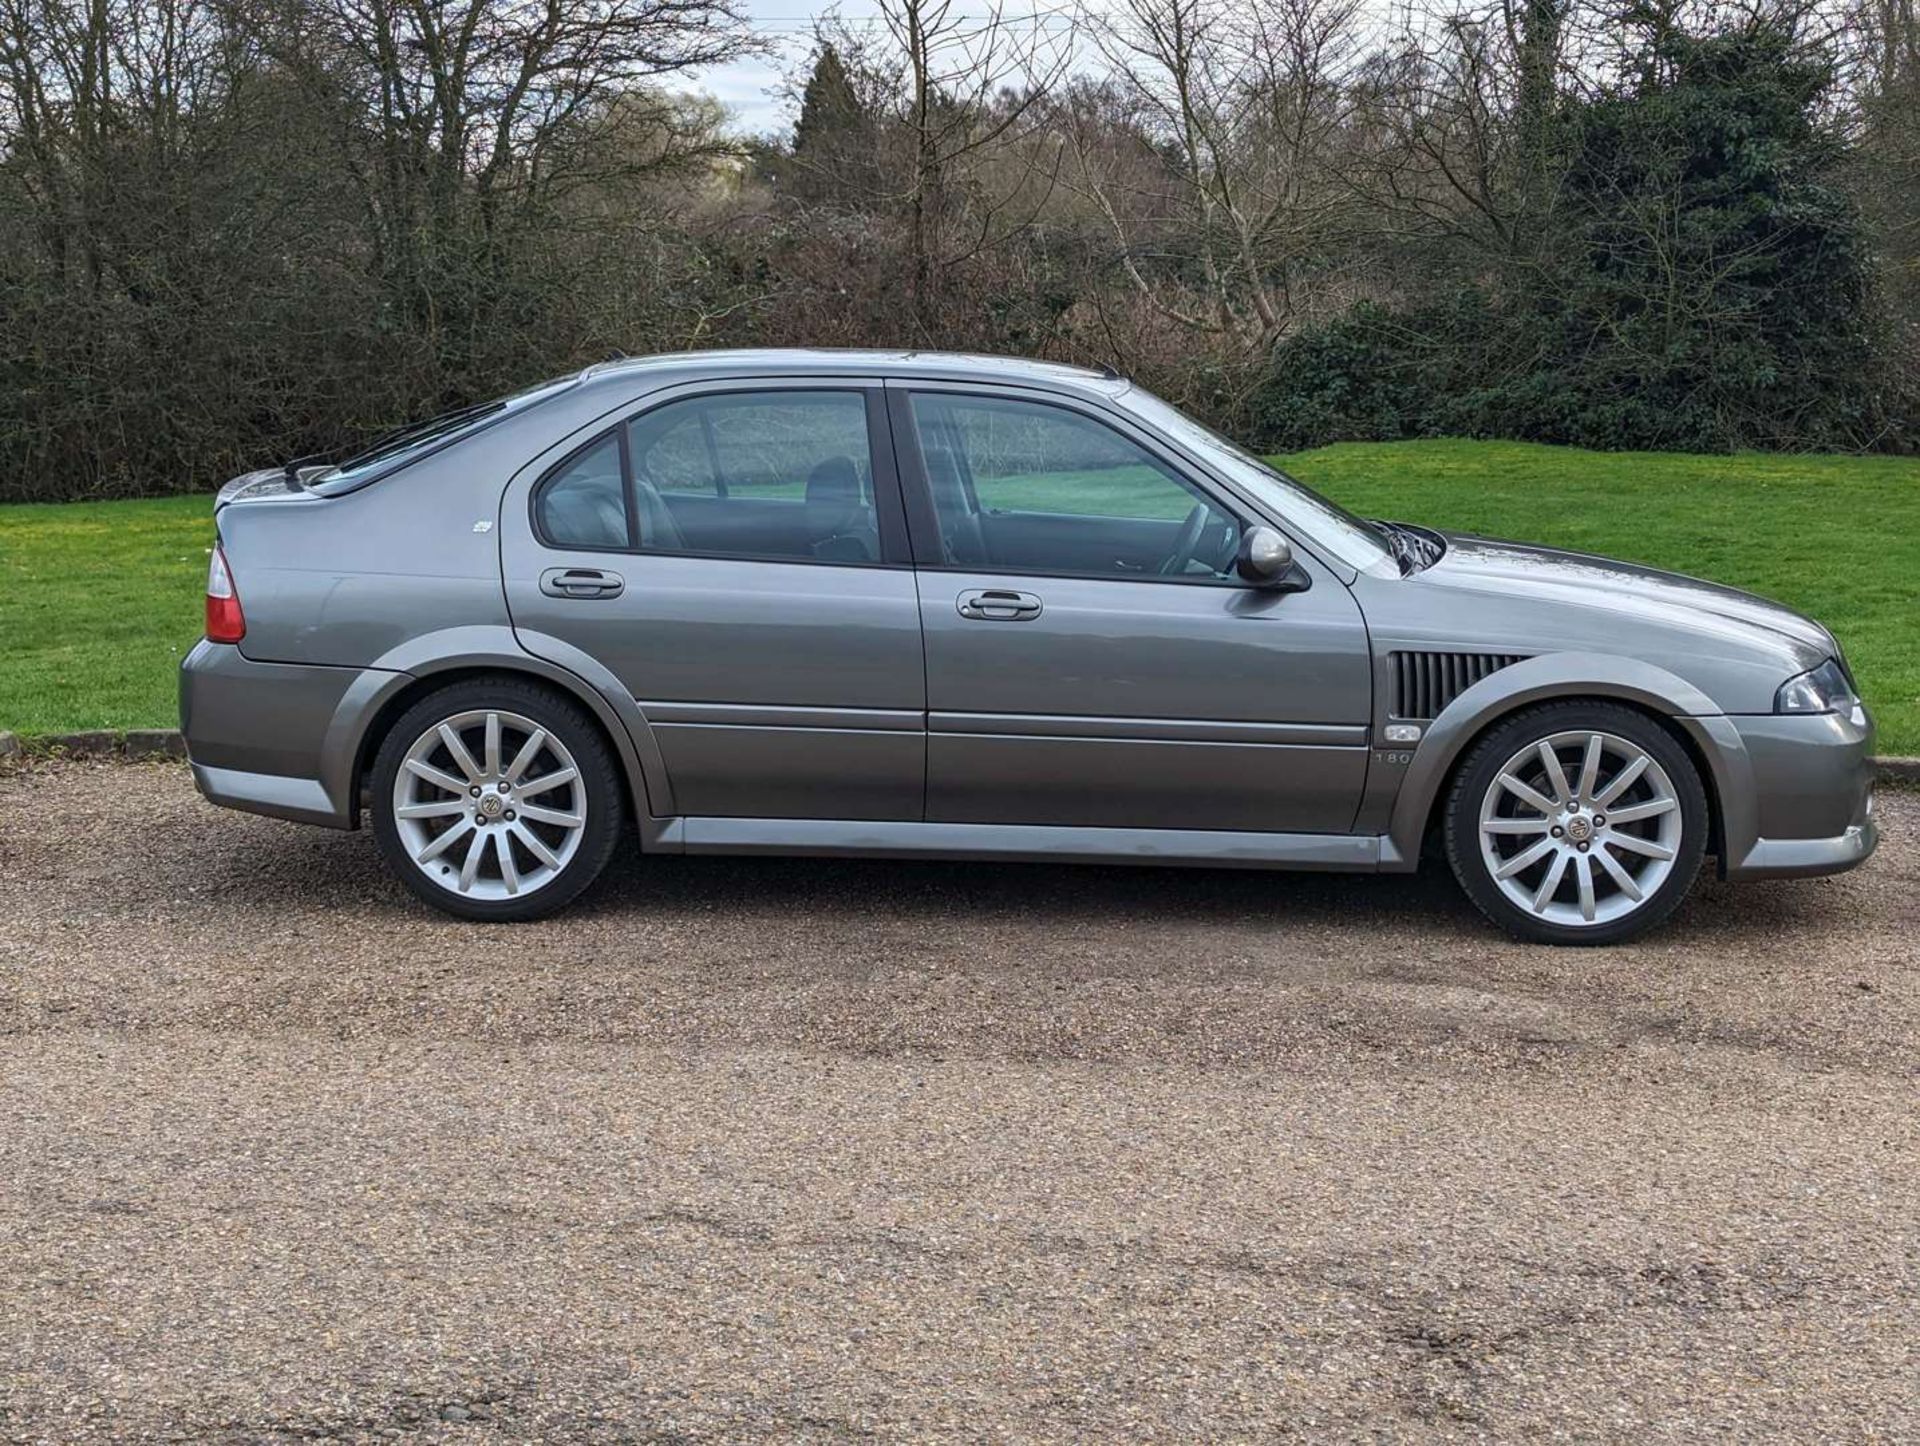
column 435, row 660
column 1666, row 699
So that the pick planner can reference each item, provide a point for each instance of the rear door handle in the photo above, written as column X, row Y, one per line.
column 580, row 582
column 998, row 605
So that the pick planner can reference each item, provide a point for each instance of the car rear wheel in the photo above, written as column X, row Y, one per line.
column 496, row 799
column 1577, row 823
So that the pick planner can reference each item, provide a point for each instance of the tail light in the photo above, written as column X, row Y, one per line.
column 225, row 622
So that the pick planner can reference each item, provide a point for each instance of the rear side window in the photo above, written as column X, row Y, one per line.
column 772, row 475
column 752, row 444
column 584, row 504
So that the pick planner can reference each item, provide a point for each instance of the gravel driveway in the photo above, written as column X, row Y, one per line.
column 745, row 1149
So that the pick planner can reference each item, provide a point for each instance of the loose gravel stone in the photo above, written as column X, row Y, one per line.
column 745, row 1149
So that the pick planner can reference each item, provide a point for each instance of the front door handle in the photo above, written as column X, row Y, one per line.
column 998, row 605
column 580, row 582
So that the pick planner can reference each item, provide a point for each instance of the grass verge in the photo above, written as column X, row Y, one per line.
column 99, row 601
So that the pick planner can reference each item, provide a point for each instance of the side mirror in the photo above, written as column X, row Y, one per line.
column 1265, row 558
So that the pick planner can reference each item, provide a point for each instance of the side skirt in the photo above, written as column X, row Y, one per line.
column 1040, row 843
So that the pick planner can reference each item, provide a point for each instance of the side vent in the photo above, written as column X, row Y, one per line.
column 1424, row 683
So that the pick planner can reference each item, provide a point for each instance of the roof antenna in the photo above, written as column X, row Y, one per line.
column 1107, row 371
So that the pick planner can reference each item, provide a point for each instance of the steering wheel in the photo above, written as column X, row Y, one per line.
column 1187, row 541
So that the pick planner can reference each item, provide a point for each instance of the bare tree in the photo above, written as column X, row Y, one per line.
column 1245, row 111
column 445, row 103
column 973, row 86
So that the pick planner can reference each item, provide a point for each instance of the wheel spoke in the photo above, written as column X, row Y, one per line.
column 1556, row 775
column 535, row 847
column 1623, row 880
column 1639, row 811
column 1530, row 797
column 529, row 750
column 549, row 780
column 535, row 813
column 432, row 810
column 1514, row 825
column 1589, row 769
column 1583, row 877
column 1650, row 847
column 1525, row 859
column 491, row 759
column 462, row 759
column 509, row 871
column 470, row 866
column 446, row 840
column 1550, row 885
column 1622, row 781
column 435, row 776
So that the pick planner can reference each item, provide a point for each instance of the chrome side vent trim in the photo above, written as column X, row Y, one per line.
column 1424, row 683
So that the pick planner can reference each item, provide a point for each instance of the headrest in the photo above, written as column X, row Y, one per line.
column 834, row 503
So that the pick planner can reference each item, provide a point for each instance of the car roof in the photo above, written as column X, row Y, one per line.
column 828, row 361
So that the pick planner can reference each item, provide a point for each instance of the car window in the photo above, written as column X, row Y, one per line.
column 757, row 474
column 584, row 503
column 408, row 444
column 1031, row 487
column 1358, row 544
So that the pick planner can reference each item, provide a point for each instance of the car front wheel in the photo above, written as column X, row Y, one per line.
column 1577, row 823
column 496, row 799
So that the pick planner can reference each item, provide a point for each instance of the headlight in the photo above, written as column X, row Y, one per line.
column 1824, row 690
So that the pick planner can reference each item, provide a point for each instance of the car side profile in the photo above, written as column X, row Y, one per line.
column 888, row 603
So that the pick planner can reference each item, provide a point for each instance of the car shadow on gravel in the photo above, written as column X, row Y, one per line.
column 1728, row 918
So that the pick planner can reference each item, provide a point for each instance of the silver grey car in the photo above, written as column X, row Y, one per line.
column 865, row 603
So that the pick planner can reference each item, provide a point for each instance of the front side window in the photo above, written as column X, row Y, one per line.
column 1358, row 544
column 757, row 474
column 1024, row 486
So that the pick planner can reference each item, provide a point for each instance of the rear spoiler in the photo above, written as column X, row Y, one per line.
column 269, row 484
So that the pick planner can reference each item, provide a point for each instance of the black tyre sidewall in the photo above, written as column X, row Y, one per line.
column 1482, row 765
column 559, row 715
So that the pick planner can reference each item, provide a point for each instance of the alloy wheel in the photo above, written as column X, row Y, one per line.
column 1580, row 828
column 488, row 804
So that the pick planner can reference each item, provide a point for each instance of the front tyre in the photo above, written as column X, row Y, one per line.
column 1577, row 823
column 496, row 799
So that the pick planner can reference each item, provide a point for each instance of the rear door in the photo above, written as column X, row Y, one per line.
column 1091, row 657
column 736, row 555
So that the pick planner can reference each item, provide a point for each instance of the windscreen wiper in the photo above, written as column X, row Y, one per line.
column 1414, row 548
column 413, row 431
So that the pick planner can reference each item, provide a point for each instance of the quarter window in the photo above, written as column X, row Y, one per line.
column 584, row 504
column 1023, row 486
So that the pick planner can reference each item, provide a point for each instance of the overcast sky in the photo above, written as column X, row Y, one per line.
column 749, row 88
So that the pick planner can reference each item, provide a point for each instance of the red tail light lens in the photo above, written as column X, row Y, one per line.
column 225, row 622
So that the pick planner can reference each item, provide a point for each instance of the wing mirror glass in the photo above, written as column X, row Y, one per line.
column 1265, row 558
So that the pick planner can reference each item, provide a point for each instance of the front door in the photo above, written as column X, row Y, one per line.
column 737, row 558
column 1091, row 657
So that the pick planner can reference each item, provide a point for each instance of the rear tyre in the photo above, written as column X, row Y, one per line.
column 1577, row 823
column 496, row 799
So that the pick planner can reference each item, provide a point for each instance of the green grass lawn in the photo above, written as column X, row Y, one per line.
column 98, row 601
column 1837, row 538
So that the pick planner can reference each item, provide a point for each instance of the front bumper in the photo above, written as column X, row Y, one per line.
column 1810, row 811
column 277, row 738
